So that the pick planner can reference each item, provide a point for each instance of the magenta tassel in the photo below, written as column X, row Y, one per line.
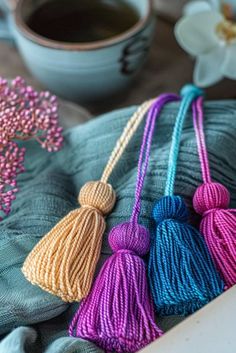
column 211, row 200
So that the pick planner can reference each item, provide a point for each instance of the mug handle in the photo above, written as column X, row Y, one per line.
column 5, row 31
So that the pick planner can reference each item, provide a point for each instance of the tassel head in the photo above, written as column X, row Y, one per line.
column 97, row 195
column 211, row 196
column 118, row 313
column 132, row 237
column 218, row 226
column 170, row 207
column 181, row 273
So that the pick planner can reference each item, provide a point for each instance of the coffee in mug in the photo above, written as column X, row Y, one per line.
column 82, row 21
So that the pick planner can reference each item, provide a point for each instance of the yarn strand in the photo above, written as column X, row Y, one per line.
column 125, row 138
column 145, row 150
column 200, row 137
column 176, row 138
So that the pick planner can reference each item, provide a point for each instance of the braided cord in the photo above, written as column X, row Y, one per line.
column 188, row 93
column 201, row 141
column 144, row 155
column 125, row 138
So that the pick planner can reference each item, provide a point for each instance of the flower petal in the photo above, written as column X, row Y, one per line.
column 215, row 4
column 196, row 33
column 229, row 66
column 208, row 67
column 196, row 6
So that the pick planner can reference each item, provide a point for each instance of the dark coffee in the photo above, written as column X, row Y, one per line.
column 76, row 21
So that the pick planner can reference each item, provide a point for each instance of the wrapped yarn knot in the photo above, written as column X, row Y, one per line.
column 170, row 207
column 97, row 195
column 210, row 197
column 129, row 236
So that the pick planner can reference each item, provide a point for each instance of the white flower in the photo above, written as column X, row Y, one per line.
column 206, row 34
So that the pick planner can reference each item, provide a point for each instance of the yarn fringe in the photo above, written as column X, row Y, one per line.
column 120, row 295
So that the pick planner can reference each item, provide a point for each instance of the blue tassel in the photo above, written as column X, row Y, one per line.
column 181, row 273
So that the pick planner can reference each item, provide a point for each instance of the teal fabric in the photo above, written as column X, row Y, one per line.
column 48, row 191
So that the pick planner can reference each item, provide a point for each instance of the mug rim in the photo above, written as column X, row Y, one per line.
column 53, row 44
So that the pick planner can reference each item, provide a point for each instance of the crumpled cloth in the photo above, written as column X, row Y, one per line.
column 36, row 321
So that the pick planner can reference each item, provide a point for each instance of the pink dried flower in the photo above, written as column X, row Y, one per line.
column 24, row 114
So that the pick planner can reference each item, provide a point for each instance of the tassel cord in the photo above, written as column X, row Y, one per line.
column 154, row 112
column 201, row 140
column 176, row 139
column 125, row 138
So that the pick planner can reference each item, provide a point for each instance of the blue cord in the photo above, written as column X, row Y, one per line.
column 188, row 93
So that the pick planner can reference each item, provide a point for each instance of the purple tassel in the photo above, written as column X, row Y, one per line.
column 118, row 313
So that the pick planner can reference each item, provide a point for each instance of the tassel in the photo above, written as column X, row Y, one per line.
column 182, row 275
column 118, row 313
column 211, row 200
column 60, row 270
column 64, row 261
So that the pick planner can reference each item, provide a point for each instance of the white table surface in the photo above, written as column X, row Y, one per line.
column 210, row 330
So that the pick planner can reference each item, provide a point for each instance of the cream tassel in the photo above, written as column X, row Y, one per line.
column 64, row 261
